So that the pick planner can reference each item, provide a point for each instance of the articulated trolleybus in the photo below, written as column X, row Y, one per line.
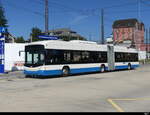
column 52, row 57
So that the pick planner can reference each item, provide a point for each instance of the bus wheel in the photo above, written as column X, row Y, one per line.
column 65, row 71
column 102, row 69
column 129, row 67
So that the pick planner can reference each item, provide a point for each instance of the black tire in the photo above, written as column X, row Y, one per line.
column 102, row 69
column 65, row 71
column 129, row 67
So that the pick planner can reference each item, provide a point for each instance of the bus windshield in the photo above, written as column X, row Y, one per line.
column 35, row 56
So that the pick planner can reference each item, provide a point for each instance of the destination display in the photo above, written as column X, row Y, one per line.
column 46, row 37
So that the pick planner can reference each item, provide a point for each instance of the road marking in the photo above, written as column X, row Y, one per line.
column 118, row 108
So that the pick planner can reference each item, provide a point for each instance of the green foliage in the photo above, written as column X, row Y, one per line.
column 35, row 33
column 3, row 20
column 20, row 40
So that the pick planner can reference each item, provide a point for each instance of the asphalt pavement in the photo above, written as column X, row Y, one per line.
column 119, row 91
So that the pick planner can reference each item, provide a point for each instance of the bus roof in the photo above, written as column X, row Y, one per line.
column 80, row 45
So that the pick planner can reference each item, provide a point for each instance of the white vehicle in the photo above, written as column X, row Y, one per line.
column 52, row 57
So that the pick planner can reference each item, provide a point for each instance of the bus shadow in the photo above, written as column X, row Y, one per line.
column 76, row 75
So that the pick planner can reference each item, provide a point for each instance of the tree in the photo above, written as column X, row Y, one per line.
column 20, row 40
column 35, row 33
column 3, row 20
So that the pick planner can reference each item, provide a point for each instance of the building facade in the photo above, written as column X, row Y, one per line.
column 130, row 30
column 66, row 34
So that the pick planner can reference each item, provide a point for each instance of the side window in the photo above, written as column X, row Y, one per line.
column 100, row 55
column 77, row 57
column 129, row 57
column 137, row 57
column 93, row 57
column 67, row 57
column 103, row 58
column 119, row 57
column 126, row 57
column 54, row 57
column 122, row 57
column 85, row 57
column 48, row 57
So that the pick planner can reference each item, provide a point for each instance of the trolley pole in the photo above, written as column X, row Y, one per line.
column 102, row 26
column 46, row 16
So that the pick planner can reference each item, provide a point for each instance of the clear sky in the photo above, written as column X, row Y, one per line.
column 82, row 16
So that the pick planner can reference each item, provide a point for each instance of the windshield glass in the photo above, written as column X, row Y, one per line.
column 34, row 56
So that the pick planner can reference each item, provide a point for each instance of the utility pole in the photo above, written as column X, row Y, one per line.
column 149, row 44
column 146, row 43
column 31, row 39
column 0, row 3
column 46, row 17
column 102, row 26
column 139, row 10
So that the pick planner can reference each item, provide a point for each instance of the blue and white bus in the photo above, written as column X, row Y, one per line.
column 54, row 57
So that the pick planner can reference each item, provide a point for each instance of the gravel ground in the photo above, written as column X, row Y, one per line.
column 12, row 75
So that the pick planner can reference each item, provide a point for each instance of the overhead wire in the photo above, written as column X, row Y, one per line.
column 10, row 4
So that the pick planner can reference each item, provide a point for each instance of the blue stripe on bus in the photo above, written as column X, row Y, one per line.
column 44, row 73
column 59, row 72
column 72, row 71
column 126, row 66
column 121, row 67
column 84, row 70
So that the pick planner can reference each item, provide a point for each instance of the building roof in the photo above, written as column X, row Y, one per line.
column 126, row 23
column 65, row 32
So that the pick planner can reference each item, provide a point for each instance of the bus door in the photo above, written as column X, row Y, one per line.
column 110, row 57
